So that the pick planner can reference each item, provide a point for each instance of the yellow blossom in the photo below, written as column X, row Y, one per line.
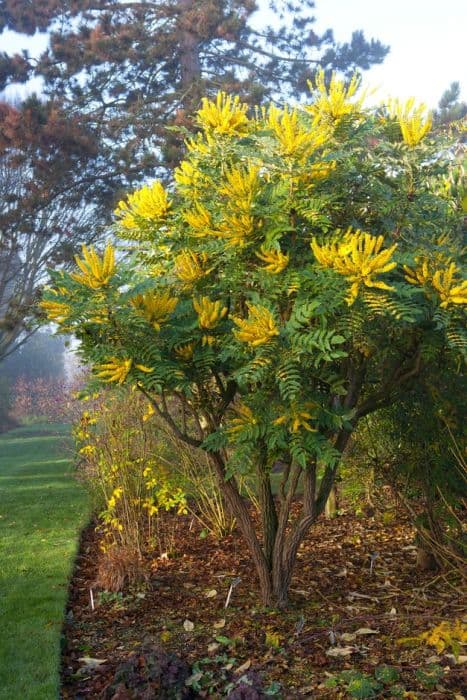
column 96, row 272
column 148, row 204
column 115, row 370
column 227, row 115
column 56, row 310
column 414, row 121
column 450, row 289
column 209, row 312
column 259, row 328
column 298, row 417
column 200, row 220
column 185, row 352
column 420, row 275
column 275, row 260
column 358, row 257
column 333, row 103
column 147, row 415
column 244, row 418
column 240, row 187
column 188, row 177
column 189, row 266
column 155, row 307
column 235, row 228
column 294, row 139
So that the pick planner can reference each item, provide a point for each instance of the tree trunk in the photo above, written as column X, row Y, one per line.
column 330, row 509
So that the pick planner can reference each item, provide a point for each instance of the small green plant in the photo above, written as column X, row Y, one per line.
column 114, row 598
column 386, row 674
column 429, row 676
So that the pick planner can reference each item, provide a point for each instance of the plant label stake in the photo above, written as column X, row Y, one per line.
column 91, row 596
column 233, row 585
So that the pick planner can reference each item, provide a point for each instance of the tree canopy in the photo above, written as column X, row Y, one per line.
column 131, row 69
column 299, row 272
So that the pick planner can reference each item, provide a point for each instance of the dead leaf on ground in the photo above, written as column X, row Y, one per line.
column 244, row 667
column 340, row 651
column 188, row 626
column 212, row 593
column 90, row 662
column 366, row 630
column 219, row 624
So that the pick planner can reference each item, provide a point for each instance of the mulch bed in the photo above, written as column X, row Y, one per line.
column 333, row 593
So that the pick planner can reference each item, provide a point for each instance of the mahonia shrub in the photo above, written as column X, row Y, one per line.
column 301, row 269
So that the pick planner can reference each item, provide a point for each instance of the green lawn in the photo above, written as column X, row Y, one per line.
column 42, row 509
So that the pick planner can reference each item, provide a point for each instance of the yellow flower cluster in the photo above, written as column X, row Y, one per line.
column 185, row 352
column 333, row 103
column 148, row 204
column 200, row 221
column 56, row 310
column 96, row 272
column 259, row 328
column 240, row 187
column 275, row 260
column 155, row 307
column 358, row 257
column 294, row 139
column 115, row 370
column 209, row 312
column 298, row 417
column 189, row 266
column 414, row 121
column 446, row 635
column 244, row 418
column 227, row 115
column 449, row 288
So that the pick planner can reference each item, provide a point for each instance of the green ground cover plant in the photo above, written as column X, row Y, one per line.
column 42, row 509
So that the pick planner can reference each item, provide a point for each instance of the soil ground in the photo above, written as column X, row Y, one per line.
column 355, row 595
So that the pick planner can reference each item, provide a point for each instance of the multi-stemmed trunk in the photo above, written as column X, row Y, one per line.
column 274, row 553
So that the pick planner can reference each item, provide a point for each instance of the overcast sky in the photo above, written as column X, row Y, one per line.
column 427, row 40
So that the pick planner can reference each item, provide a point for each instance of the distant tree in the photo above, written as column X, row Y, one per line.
column 41, row 209
column 450, row 107
column 42, row 357
column 131, row 69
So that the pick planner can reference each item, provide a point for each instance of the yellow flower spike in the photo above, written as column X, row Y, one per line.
column 189, row 266
column 187, row 177
column 240, row 187
column 359, row 257
column 333, row 103
column 143, row 368
column 293, row 139
column 275, row 260
column 155, row 307
column 259, row 328
column 115, row 370
column 96, row 271
column 185, row 352
column 450, row 289
column 414, row 121
column 244, row 418
column 199, row 219
column 421, row 275
column 235, row 229
column 56, row 311
column 209, row 312
column 226, row 116
column 148, row 204
column 147, row 415
column 297, row 418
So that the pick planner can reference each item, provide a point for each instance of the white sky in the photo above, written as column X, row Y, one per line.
column 427, row 40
